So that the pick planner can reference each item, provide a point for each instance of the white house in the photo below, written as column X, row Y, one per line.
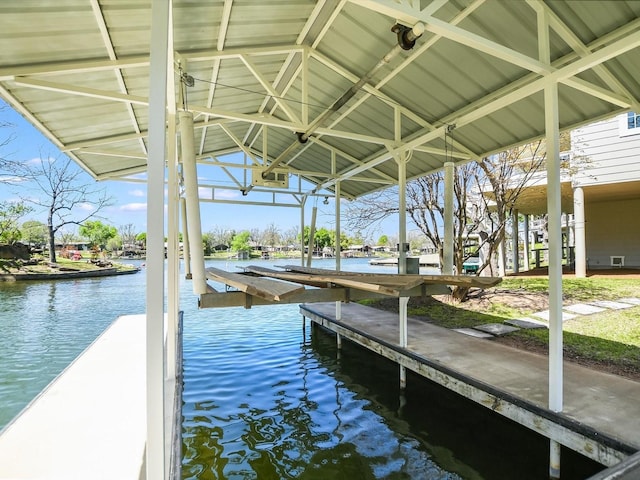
column 606, row 192
column 600, row 195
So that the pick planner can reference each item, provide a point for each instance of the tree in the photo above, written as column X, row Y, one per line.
column 127, row 234
column 60, row 191
column 383, row 240
column 271, row 235
column 10, row 214
column 497, row 182
column 97, row 233
column 34, row 232
column 240, row 242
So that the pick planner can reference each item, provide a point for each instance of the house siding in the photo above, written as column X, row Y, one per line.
column 605, row 153
column 612, row 229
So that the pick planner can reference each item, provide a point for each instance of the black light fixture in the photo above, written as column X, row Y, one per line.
column 407, row 35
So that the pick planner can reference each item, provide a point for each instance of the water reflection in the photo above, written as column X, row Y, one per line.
column 273, row 405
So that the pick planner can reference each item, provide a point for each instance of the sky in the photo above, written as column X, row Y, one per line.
column 130, row 205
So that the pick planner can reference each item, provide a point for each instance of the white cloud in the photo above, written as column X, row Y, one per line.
column 87, row 207
column 133, row 207
column 227, row 194
column 137, row 193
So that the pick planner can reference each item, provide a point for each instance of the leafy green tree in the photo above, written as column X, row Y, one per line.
column 383, row 240
column 97, row 233
column 142, row 238
column 34, row 232
column 240, row 242
column 323, row 238
column 10, row 213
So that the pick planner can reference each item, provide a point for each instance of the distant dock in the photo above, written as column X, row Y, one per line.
column 427, row 260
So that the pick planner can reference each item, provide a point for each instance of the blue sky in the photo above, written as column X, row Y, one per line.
column 130, row 198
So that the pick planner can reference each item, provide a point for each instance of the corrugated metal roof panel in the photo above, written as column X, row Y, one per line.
column 82, row 75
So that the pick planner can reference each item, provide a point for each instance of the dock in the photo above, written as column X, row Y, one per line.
column 601, row 417
column 90, row 421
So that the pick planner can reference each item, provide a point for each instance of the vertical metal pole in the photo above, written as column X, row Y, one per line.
column 554, row 211
column 402, row 304
column 580, row 251
column 304, row 201
column 193, row 201
column 338, row 230
column 173, row 249
column 514, row 241
column 155, row 458
column 526, row 246
column 447, row 268
column 337, row 244
column 312, row 234
column 402, row 214
column 555, row 248
column 186, row 250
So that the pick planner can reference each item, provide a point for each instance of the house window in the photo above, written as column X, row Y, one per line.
column 629, row 124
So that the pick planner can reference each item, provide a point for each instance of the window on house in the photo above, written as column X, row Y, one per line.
column 630, row 124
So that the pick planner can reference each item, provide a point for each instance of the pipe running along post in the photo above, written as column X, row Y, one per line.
column 193, row 201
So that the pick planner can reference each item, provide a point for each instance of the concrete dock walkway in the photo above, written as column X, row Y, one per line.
column 596, row 405
column 90, row 422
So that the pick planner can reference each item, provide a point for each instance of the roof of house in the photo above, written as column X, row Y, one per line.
column 322, row 89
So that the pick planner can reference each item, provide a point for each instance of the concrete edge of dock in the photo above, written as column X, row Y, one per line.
column 578, row 436
column 90, row 421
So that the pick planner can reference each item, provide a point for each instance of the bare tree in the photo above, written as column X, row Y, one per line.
column 60, row 191
column 128, row 234
column 271, row 235
column 496, row 181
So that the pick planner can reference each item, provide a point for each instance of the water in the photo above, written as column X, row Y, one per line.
column 263, row 400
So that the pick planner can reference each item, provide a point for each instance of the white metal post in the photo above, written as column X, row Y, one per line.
column 312, row 234
column 447, row 268
column 155, row 458
column 402, row 257
column 526, row 245
column 580, row 251
column 337, row 244
column 514, row 241
column 186, row 252
column 173, row 248
column 555, row 247
column 402, row 214
column 304, row 201
column 190, row 173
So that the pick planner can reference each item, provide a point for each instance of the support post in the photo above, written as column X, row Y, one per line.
column 554, row 460
column 526, row 245
column 173, row 247
column 402, row 214
column 403, row 340
column 555, row 248
column 304, row 201
column 580, row 250
column 514, row 241
column 337, row 242
column 158, row 64
column 186, row 250
column 312, row 234
column 193, row 202
column 447, row 267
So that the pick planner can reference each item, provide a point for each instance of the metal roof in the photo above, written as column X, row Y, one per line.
column 265, row 72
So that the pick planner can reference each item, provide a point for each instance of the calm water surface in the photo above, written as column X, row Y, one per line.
column 265, row 400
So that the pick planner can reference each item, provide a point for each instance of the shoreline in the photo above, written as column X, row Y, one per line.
column 66, row 275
